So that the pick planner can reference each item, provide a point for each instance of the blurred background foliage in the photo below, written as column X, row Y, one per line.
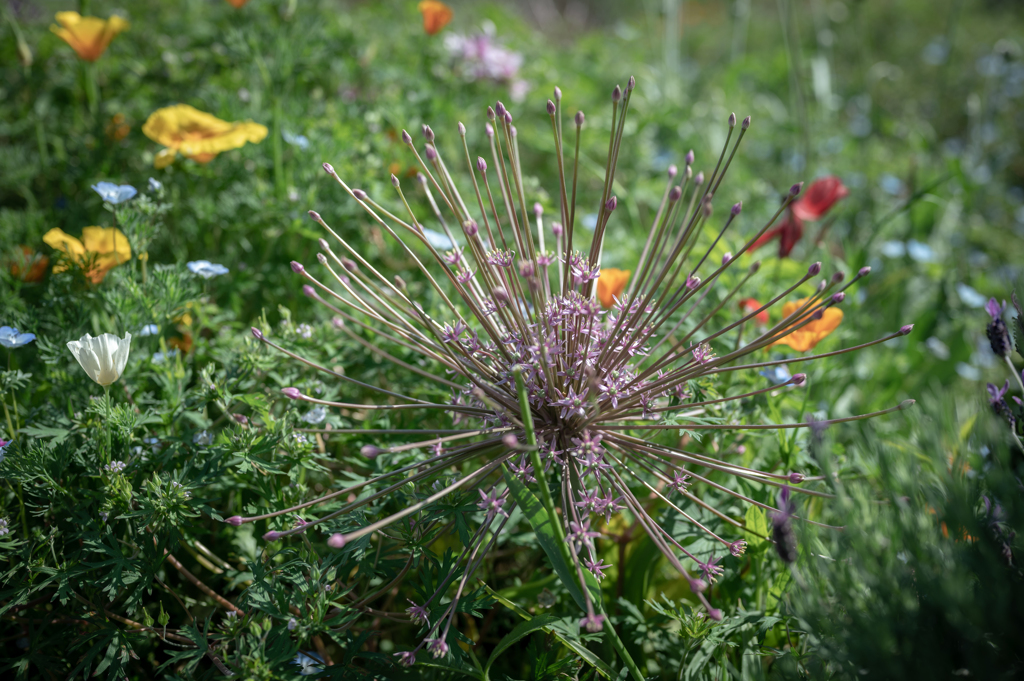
column 915, row 105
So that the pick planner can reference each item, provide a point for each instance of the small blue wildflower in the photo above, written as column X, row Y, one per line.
column 310, row 662
column 300, row 141
column 437, row 239
column 161, row 357
column 206, row 269
column 920, row 252
column 315, row 415
column 777, row 374
column 969, row 296
column 3, row 527
column 202, row 438
column 589, row 221
column 114, row 193
column 155, row 185
column 11, row 338
column 149, row 330
column 304, row 330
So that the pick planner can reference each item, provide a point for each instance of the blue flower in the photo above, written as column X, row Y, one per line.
column 10, row 338
column 206, row 269
column 310, row 662
column 155, row 185
column 777, row 374
column 149, row 330
column 300, row 141
column 437, row 239
column 114, row 193
column 161, row 357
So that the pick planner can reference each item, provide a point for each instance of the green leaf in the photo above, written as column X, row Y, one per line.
column 58, row 434
column 756, row 528
column 522, row 629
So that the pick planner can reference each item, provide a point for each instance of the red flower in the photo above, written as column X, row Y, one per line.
column 812, row 205
column 748, row 305
column 788, row 233
column 819, row 197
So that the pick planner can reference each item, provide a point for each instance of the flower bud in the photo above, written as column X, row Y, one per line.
column 799, row 379
column 821, row 285
column 371, row 451
column 796, row 478
column 329, row 168
column 611, row 204
column 838, row 277
column 907, row 404
column 394, row 181
column 551, row 107
column 297, row 267
column 838, row 297
column 314, row 215
column 234, row 521
column 726, row 259
column 538, row 210
column 732, row 120
column 510, row 441
column 241, row 419
column 324, row 245
column 675, row 194
column 406, row 137
column 526, row 268
column 698, row 585
column 489, row 129
column 746, row 123
column 490, row 114
column 309, row 290
column 428, row 133
column 471, row 228
column 795, row 189
column 500, row 294
column 708, row 208
column 864, row 271
column 689, row 157
column 579, row 118
column 499, row 109
column 755, row 266
column 904, row 330
column 359, row 194
column 399, row 283
column 715, row 614
column 616, row 94
column 814, row 269
column 462, row 129
column 736, row 208
column 508, row 117
column 431, row 153
column 818, row 314
column 689, row 172
column 699, row 179
column 672, row 171
column 631, row 84
column 291, row 393
column 271, row 536
column 336, row 541
column 257, row 333
column 349, row 265
column 557, row 229
column 558, row 94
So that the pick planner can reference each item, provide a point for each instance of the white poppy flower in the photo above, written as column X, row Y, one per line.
column 103, row 357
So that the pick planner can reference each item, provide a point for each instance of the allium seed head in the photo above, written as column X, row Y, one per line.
column 592, row 352
column 297, row 267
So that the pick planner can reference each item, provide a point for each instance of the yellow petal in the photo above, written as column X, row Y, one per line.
column 88, row 36
column 61, row 241
column 164, row 158
column 197, row 134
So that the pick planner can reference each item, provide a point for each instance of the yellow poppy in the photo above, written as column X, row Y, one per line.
column 436, row 15
column 104, row 247
column 610, row 285
column 814, row 331
column 88, row 36
column 197, row 134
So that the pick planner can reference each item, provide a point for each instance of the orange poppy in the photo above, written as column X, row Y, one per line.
column 29, row 266
column 237, row 4
column 748, row 305
column 196, row 134
column 814, row 331
column 436, row 15
column 610, row 285
column 181, row 343
column 88, row 36
column 117, row 129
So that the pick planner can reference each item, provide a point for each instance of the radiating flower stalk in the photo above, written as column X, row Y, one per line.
column 519, row 307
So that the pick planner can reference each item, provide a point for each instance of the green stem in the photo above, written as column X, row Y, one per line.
column 538, row 467
column 92, row 95
column 7, row 415
column 278, row 150
column 106, row 425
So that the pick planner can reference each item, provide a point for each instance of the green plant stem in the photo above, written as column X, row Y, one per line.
column 106, row 425
column 278, row 150
column 538, row 467
column 7, row 415
column 92, row 95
